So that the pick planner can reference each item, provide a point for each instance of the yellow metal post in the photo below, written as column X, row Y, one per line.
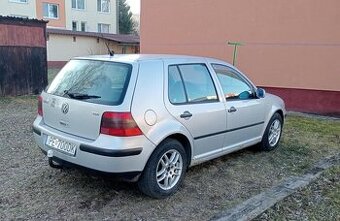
column 235, row 44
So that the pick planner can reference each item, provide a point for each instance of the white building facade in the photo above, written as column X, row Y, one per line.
column 92, row 16
column 75, row 27
column 18, row 8
column 76, row 15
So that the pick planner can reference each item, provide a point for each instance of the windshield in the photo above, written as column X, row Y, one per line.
column 92, row 81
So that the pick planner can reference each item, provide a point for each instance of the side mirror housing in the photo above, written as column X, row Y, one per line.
column 244, row 95
column 260, row 93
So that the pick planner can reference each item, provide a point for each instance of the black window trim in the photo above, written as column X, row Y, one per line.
column 217, row 100
column 182, row 80
column 242, row 78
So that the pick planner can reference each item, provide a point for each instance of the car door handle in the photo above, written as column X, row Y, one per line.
column 232, row 109
column 186, row 115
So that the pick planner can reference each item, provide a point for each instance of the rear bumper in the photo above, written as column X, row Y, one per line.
column 105, row 154
column 126, row 176
column 110, row 152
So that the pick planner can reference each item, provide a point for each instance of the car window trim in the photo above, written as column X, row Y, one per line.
column 217, row 100
column 251, row 86
column 182, row 80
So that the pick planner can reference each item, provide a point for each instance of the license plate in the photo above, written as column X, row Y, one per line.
column 61, row 145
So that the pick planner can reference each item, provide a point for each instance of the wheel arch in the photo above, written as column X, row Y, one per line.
column 273, row 110
column 171, row 129
column 279, row 111
column 186, row 144
column 183, row 139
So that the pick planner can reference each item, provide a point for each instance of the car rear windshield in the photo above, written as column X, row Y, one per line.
column 92, row 81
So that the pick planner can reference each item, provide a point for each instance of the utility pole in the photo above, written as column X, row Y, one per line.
column 235, row 44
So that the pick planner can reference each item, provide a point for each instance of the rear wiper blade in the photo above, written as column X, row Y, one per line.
column 80, row 96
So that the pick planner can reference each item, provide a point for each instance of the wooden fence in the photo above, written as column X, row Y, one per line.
column 23, row 56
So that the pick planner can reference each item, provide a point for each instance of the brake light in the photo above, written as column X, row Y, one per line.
column 40, row 109
column 119, row 124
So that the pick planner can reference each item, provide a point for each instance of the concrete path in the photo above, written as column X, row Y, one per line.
column 256, row 205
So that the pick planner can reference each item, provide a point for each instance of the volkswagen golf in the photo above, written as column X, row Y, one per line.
column 149, row 118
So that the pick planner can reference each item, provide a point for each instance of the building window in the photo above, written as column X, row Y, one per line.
column 51, row 10
column 19, row 1
column 74, row 26
column 78, row 4
column 103, row 5
column 103, row 28
column 83, row 26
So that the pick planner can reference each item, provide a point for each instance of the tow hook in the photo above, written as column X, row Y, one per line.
column 52, row 163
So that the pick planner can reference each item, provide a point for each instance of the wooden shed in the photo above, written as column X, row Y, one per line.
column 23, row 56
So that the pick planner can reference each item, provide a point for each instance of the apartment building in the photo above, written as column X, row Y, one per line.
column 75, row 15
column 75, row 27
column 18, row 8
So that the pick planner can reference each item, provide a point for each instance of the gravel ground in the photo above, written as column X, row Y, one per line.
column 31, row 190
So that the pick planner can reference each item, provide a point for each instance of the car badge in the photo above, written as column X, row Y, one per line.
column 64, row 108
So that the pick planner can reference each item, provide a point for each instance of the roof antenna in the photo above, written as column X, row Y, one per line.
column 111, row 53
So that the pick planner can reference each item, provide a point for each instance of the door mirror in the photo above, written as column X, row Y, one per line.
column 244, row 95
column 260, row 93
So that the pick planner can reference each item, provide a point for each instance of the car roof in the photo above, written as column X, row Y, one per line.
column 141, row 57
column 130, row 58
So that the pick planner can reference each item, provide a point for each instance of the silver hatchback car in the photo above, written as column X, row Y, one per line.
column 150, row 117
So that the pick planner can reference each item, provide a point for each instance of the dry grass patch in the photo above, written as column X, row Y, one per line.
column 30, row 189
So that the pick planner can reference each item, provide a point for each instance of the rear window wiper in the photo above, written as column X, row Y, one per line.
column 80, row 96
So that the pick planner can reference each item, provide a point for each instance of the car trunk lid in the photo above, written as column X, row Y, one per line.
column 72, row 116
column 83, row 90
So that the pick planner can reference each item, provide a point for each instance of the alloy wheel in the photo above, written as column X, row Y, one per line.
column 169, row 169
column 274, row 132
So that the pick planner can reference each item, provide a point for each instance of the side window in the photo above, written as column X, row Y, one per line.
column 234, row 87
column 198, row 83
column 191, row 83
column 176, row 88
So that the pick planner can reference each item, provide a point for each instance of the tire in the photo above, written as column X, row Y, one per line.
column 272, row 134
column 171, row 172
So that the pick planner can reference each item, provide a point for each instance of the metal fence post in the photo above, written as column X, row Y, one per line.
column 235, row 44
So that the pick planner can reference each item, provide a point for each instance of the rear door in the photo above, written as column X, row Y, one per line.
column 192, row 99
column 82, row 92
column 245, row 112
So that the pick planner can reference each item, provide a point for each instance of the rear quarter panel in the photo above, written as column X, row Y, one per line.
column 148, row 100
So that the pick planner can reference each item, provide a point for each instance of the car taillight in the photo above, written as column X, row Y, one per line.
column 119, row 124
column 40, row 109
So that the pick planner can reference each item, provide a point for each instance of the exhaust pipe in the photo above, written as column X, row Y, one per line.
column 51, row 162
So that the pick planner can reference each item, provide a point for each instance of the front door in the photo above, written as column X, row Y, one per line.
column 245, row 112
column 192, row 99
